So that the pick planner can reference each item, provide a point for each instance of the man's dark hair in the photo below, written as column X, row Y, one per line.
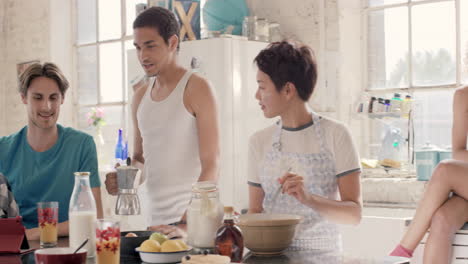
column 287, row 61
column 161, row 19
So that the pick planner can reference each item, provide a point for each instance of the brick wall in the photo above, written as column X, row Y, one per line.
column 304, row 21
column 26, row 29
column 25, row 37
column 298, row 19
column 2, row 81
column 333, row 29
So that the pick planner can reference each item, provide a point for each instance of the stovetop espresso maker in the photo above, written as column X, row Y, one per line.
column 128, row 202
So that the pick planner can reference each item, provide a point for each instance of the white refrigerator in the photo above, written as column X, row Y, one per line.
column 227, row 63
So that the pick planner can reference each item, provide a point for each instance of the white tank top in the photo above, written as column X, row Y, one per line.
column 170, row 149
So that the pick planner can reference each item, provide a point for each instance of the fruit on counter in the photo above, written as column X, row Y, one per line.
column 173, row 246
column 150, row 245
column 182, row 244
column 390, row 163
column 131, row 235
column 161, row 238
column 369, row 163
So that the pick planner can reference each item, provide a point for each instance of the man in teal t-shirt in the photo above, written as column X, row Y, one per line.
column 40, row 159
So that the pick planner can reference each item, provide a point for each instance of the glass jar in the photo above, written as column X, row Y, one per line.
column 249, row 26
column 275, row 33
column 82, row 214
column 204, row 215
column 262, row 31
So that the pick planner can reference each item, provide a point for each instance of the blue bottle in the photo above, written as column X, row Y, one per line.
column 119, row 148
column 387, row 105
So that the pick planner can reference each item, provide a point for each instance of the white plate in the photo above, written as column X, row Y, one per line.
column 162, row 257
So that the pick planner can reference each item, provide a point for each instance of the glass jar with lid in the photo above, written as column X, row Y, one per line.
column 275, row 32
column 262, row 32
column 204, row 215
column 249, row 26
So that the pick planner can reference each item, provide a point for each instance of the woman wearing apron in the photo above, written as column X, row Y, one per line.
column 310, row 159
column 444, row 206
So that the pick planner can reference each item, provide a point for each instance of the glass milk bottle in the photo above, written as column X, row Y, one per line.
column 82, row 214
column 204, row 215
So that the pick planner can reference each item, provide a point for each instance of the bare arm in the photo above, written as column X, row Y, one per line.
column 256, row 195
column 34, row 233
column 97, row 197
column 199, row 100
column 138, row 159
column 460, row 124
column 202, row 103
column 63, row 228
column 348, row 210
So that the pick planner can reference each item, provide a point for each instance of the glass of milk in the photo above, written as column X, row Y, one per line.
column 204, row 215
column 82, row 214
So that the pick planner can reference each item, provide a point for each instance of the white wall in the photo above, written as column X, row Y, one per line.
column 349, row 65
column 25, row 39
column 42, row 30
column 61, row 52
column 2, row 80
column 303, row 21
column 31, row 30
column 332, row 28
column 373, row 239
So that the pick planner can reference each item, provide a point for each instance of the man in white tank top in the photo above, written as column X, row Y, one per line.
column 176, row 134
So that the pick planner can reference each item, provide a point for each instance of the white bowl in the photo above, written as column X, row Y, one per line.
column 162, row 257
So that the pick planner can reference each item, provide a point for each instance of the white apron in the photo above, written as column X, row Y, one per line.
column 319, row 172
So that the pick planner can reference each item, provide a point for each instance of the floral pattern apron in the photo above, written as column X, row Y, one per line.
column 319, row 172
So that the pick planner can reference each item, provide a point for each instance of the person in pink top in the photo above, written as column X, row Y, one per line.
column 444, row 206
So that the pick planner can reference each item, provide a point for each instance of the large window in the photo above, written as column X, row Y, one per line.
column 103, row 36
column 418, row 47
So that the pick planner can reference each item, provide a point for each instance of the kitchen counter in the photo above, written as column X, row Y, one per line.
column 295, row 257
column 289, row 257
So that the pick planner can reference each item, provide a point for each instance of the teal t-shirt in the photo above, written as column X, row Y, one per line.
column 46, row 176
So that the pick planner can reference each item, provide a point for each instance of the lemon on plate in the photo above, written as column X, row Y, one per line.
column 150, row 245
column 173, row 246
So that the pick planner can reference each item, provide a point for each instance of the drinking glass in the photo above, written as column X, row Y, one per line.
column 47, row 218
column 107, row 241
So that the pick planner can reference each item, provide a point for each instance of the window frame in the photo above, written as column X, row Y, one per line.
column 411, row 87
column 123, row 38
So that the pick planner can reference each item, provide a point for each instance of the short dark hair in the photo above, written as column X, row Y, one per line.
column 289, row 61
column 36, row 70
column 161, row 19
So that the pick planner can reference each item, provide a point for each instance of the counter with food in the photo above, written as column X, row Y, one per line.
column 288, row 257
